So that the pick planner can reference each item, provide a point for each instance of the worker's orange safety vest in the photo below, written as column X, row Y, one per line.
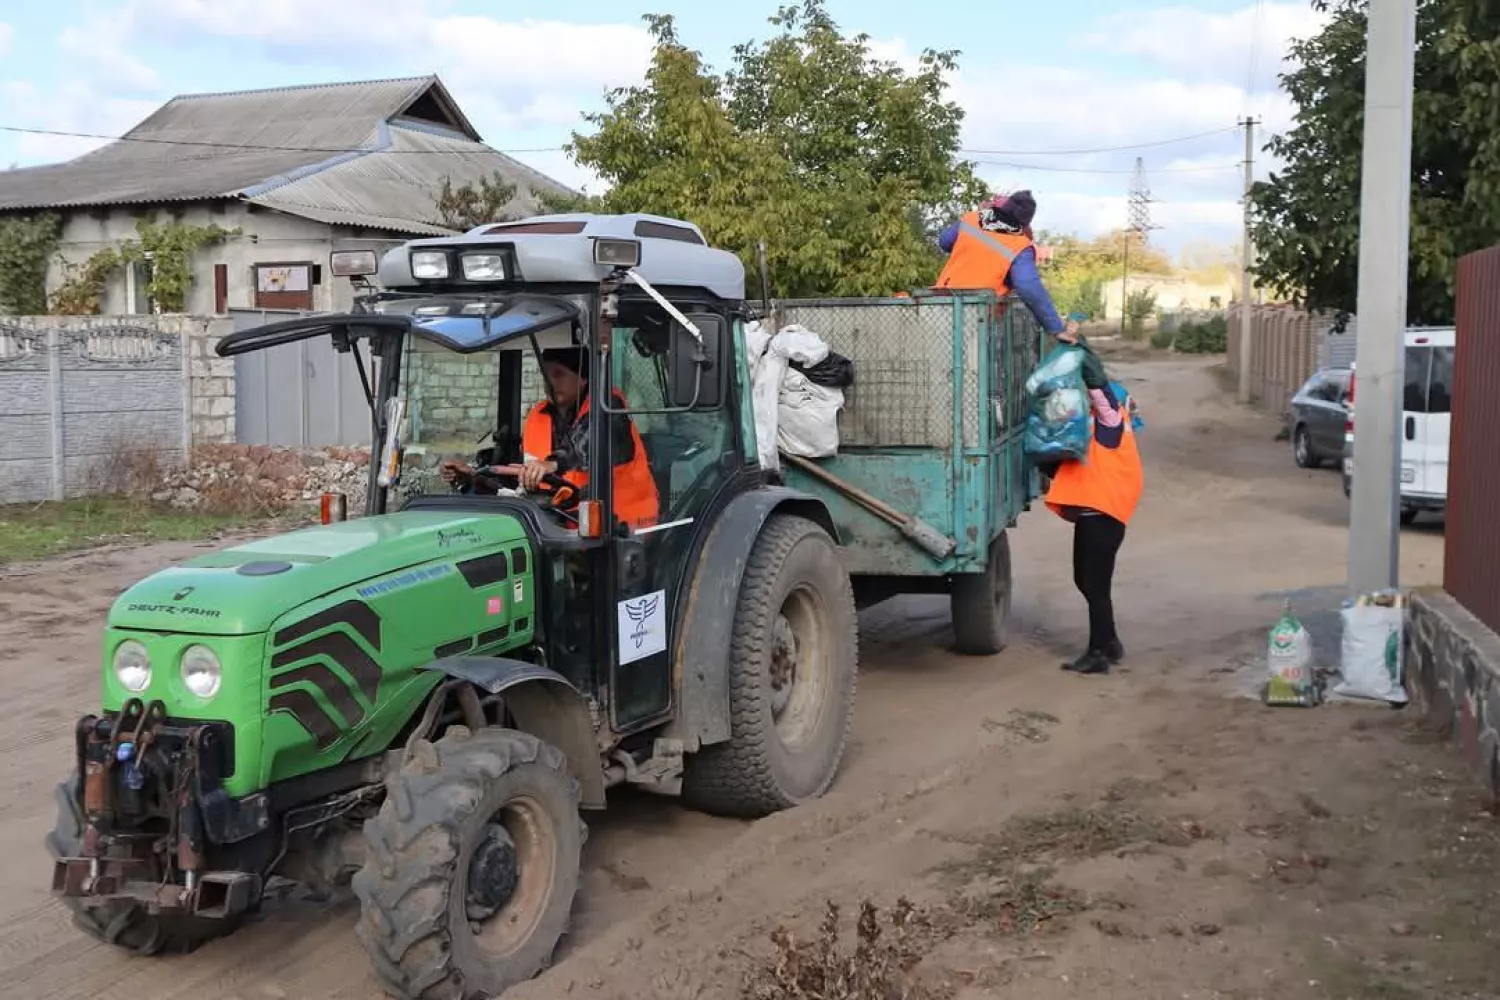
column 1110, row 481
column 635, row 498
column 981, row 259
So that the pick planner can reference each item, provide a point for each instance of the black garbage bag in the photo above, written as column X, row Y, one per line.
column 834, row 371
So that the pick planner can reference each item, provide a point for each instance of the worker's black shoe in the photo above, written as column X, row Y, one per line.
column 1113, row 651
column 1092, row 662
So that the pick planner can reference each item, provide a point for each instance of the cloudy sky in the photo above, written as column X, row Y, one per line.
column 1046, row 86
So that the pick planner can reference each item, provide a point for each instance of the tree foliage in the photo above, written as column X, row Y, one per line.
column 1080, row 268
column 26, row 246
column 464, row 206
column 844, row 165
column 1307, row 215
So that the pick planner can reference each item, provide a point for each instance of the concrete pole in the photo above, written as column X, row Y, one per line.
column 1384, row 232
column 1246, row 321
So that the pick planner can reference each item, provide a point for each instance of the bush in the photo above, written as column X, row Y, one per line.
column 1211, row 337
column 1163, row 339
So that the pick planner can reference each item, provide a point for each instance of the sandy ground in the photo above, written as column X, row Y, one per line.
column 1151, row 834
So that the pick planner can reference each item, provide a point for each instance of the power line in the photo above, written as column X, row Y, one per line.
column 255, row 147
column 1101, row 149
column 1085, row 170
column 334, row 150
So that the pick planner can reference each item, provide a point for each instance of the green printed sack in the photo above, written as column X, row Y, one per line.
column 1290, row 677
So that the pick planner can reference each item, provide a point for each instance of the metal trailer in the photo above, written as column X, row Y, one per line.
column 932, row 426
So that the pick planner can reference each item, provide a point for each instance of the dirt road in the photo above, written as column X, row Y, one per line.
column 1150, row 834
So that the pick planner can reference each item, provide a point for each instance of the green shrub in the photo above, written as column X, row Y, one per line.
column 1211, row 337
column 1162, row 339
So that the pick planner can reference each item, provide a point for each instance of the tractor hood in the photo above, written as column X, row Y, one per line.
column 242, row 590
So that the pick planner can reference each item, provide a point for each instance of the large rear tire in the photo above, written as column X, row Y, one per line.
column 981, row 604
column 472, row 867
column 126, row 926
column 793, row 662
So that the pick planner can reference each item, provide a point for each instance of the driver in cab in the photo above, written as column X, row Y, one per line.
column 555, row 440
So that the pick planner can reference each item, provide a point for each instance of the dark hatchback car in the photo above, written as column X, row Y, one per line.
column 1316, row 418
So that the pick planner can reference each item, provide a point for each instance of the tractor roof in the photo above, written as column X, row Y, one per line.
column 559, row 249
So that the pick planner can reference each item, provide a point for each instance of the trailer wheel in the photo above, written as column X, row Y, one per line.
column 472, row 866
column 981, row 604
column 793, row 661
column 126, row 926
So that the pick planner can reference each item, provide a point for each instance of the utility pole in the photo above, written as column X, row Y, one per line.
column 1384, row 232
column 1246, row 312
column 1138, row 220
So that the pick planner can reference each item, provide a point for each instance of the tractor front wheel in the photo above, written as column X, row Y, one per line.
column 793, row 665
column 472, row 866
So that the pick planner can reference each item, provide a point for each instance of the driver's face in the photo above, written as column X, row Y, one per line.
column 564, row 383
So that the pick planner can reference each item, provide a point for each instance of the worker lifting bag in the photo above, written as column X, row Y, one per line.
column 1058, row 423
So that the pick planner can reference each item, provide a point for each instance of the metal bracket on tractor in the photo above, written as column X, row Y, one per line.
column 142, row 790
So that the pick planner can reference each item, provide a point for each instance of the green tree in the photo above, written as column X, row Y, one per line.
column 1079, row 268
column 464, row 206
column 844, row 165
column 26, row 246
column 1307, row 215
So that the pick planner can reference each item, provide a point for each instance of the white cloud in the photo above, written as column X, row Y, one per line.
column 100, row 45
column 528, row 72
column 78, row 107
column 6, row 34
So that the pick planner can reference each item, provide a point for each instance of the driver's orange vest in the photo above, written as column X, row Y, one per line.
column 981, row 259
column 634, row 487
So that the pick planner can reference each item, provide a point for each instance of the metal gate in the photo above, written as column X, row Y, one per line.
column 296, row 395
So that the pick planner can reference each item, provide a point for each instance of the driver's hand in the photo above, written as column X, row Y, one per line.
column 532, row 473
column 454, row 471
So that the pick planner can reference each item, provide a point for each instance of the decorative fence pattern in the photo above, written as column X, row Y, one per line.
column 1287, row 346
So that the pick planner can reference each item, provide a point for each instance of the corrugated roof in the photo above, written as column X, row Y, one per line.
column 203, row 146
column 397, row 188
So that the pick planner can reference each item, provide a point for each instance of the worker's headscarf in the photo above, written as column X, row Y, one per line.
column 1010, row 213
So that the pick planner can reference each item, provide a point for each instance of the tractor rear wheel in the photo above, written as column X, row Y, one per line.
column 981, row 604
column 125, row 925
column 793, row 662
column 472, row 866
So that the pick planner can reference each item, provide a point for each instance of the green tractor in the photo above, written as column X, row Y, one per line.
column 419, row 701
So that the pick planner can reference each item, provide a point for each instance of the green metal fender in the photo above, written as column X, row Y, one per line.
column 543, row 704
column 708, row 608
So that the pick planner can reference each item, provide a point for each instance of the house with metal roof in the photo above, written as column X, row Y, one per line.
column 297, row 170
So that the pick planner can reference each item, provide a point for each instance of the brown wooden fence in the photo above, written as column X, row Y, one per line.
column 1286, row 347
column 1471, row 555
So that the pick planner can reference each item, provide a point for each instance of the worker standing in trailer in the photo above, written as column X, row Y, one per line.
column 992, row 248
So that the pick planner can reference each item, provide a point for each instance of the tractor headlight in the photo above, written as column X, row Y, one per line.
column 429, row 264
column 201, row 671
column 132, row 666
column 483, row 266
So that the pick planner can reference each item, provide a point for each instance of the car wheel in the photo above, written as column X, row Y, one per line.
column 1302, row 449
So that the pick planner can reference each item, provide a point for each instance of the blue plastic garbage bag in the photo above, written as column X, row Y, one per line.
column 1058, row 422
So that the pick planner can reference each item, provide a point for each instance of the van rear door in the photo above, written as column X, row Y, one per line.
column 1425, row 421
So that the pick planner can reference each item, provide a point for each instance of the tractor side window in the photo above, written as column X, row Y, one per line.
column 684, row 449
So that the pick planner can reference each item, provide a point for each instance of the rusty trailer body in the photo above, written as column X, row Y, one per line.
column 932, row 427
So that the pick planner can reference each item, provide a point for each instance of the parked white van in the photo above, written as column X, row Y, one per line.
column 1426, row 417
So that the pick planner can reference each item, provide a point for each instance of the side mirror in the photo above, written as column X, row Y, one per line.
column 696, row 371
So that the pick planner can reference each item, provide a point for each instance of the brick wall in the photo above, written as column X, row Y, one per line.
column 75, row 391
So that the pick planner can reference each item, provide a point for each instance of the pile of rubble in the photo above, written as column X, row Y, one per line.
column 258, row 479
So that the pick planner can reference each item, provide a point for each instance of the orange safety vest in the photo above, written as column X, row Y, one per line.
column 981, row 259
column 635, row 496
column 1110, row 481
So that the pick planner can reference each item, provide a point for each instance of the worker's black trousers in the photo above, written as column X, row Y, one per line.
column 1096, row 541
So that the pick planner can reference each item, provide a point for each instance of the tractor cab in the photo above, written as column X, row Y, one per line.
column 452, row 345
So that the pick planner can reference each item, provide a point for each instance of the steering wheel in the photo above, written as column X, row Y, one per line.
column 564, row 496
